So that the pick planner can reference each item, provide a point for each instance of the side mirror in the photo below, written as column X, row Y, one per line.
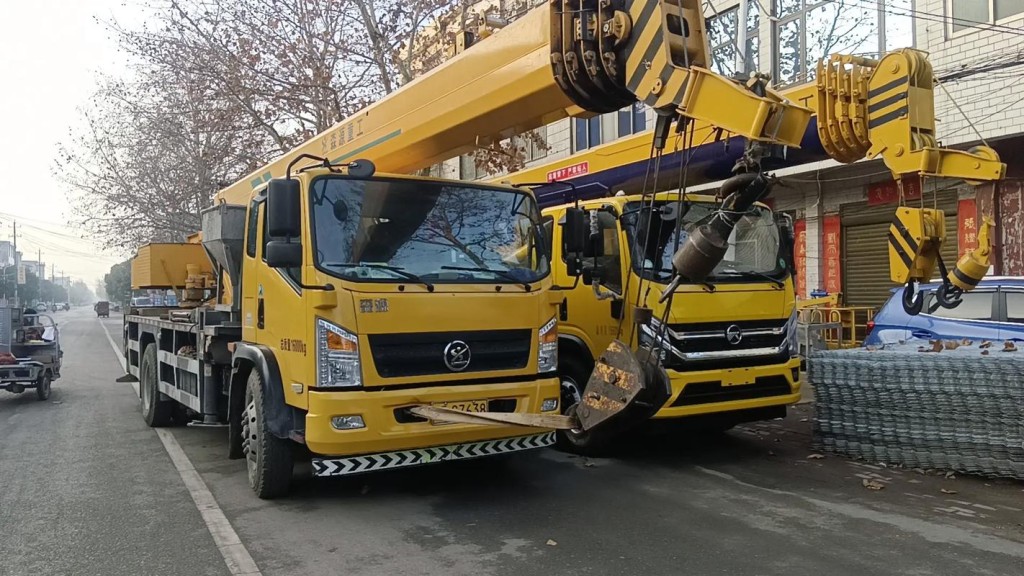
column 574, row 231
column 282, row 254
column 588, row 276
column 284, row 213
column 787, row 241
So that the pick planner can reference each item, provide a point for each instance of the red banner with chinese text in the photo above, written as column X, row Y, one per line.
column 967, row 226
column 831, row 254
column 800, row 257
column 569, row 172
column 889, row 192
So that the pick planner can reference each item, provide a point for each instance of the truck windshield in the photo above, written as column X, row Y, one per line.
column 754, row 247
column 392, row 230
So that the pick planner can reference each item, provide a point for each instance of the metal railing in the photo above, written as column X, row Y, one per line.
column 839, row 326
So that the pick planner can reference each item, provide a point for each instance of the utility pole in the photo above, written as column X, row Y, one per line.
column 741, row 39
column 41, row 274
column 17, row 264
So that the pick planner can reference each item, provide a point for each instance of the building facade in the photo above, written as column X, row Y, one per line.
column 6, row 253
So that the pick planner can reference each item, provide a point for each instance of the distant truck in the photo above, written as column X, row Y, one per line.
column 102, row 309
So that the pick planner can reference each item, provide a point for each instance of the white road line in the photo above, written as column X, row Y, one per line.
column 235, row 554
column 118, row 353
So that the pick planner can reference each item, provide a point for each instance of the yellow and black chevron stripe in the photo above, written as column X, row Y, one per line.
column 903, row 248
column 649, row 67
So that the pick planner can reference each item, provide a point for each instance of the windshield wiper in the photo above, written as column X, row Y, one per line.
column 396, row 269
column 498, row 273
column 778, row 283
column 706, row 285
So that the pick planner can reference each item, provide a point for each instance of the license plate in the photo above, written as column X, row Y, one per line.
column 462, row 406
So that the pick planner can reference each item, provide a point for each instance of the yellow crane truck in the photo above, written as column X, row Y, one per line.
column 373, row 321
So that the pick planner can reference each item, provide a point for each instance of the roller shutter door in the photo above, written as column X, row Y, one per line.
column 866, row 249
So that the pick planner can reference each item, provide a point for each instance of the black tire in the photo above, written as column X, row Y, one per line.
column 269, row 459
column 157, row 410
column 573, row 374
column 43, row 387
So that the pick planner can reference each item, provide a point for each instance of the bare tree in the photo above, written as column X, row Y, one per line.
column 147, row 158
column 220, row 88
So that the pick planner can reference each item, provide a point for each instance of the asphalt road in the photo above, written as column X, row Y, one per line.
column 86, row 488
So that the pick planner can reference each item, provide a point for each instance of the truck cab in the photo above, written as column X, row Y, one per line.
column 344, row 301
column 729, row 346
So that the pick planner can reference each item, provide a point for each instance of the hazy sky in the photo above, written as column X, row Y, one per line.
column 50, row 51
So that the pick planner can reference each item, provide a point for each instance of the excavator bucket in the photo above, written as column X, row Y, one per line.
column 625, row 388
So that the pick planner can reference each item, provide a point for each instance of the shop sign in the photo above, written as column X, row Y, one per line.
column 831, row 252
column 889, row 192
column 967, row 226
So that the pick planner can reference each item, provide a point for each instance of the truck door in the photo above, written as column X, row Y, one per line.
column 596, row 317
column 278, row 313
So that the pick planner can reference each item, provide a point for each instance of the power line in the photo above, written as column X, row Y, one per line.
column 935, row 17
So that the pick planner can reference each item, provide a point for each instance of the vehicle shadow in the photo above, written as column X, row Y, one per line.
column 470, row 480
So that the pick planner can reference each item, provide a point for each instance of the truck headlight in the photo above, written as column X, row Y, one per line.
column 791, row 335
column 547, row 349
column 337, row 357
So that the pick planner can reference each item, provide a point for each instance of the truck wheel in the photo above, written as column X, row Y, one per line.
column 155, row 411
column 268, row 458
column 573, row 374
column 43, row 387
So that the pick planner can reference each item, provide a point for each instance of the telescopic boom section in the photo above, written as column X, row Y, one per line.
column 566, row 58
column 500, row 87
column 582, row 57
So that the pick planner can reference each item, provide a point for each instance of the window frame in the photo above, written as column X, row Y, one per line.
column 952, row 33
column 252, row 220
column 807, row 6
column 994, row 307
column 753, row 35
column 1004, row 308
column 285, row 273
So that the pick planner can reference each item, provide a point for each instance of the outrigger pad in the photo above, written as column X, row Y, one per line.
column 623, row 389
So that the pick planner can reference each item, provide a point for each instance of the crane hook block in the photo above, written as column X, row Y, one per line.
column 973, row 265
column 915, row 238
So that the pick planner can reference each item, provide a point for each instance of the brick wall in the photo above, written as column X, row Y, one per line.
column 994, row 101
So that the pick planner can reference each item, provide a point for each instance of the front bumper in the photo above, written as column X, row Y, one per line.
column 347, row 466
column 732, row 389
column 388, row 430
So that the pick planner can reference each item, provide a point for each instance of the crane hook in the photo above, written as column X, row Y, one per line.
column 913, row 298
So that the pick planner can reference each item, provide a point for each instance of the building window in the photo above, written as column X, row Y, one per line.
column 809, row 30
column 533, row 145
column 967, row 14
column 468, row 169
column 722, row 35
column 586, row 133
column 590, row 132
column 632, row 120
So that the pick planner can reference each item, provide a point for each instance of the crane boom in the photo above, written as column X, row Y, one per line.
column 579, row 57
column 543, row 67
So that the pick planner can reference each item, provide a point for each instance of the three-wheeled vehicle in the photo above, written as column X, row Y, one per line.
column 30, row 354
column 102, row 309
